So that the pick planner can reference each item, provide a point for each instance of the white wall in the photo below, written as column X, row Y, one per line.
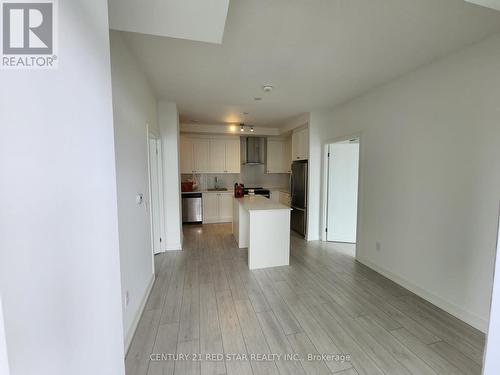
column 59, row 256
column 134, row 105
column 429, row 177
column 168, row 120
column 492, row 350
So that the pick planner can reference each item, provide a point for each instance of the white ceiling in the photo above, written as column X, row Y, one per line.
column 315, row 53
column 201, row 20
column 493, row 4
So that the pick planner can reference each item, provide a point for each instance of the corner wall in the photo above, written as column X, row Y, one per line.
column 59, row 253
column 168, row 119
column 429, row 177
column 492, row 350
column 134, row 106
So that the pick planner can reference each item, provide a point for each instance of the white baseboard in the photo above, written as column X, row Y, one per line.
column 173, row 246
column 451, row 308
column 138, row 314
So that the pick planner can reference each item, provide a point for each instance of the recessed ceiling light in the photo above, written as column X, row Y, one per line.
column 257, row 98
column 267, row 88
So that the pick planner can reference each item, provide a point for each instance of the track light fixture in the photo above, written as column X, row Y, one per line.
column 244, row 127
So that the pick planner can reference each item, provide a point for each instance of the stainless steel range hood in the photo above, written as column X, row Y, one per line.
column 254, row 151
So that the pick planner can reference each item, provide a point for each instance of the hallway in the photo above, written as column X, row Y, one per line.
column 205, row 300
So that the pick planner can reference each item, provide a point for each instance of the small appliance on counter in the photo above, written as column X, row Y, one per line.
column 238, row 190
column 187, row 186
column 190, row 184
column 257, row 191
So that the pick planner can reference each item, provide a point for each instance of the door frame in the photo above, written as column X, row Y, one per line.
column 153, row 140
column 324, row 184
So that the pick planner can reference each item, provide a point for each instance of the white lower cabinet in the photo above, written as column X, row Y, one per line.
column 210, row 207
column 226, row 207
column 217, row 207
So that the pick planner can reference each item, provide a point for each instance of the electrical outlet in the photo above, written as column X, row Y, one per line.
column 127, row 298
column 377, row 246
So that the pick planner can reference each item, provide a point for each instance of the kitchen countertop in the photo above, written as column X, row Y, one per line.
column 274, row 188
column 229, row 191
column 258, row 202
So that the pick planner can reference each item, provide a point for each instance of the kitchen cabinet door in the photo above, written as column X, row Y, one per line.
column 300, row 144
column 295, row 146
column 210, row 207
column 217, row 156
column 233, row 163
column 225, row 207
column 186, row 156
column 201, row 155
column 304, row 144
column 275, row 153
column 287, row 155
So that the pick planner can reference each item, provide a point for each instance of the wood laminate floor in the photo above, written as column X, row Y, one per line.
column 205, row 300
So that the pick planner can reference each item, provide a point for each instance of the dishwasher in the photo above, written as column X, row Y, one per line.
column 192, row 208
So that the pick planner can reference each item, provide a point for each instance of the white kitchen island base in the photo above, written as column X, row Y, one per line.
column 264, row 227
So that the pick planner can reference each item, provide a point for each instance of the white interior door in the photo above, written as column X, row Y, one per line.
column 156, row 183
column 343, row 166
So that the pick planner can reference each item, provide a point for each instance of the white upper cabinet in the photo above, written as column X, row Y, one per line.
column 186, row 155
column 287, row 159
column 279, row 155
column 300, row 144
column 233, row 163
column 201, row 154
column 275, row 156
column 217, row 155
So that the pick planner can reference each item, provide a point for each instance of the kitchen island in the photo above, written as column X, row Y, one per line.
column 263, row 226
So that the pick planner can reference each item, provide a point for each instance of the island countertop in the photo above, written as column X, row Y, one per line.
column 257, row 202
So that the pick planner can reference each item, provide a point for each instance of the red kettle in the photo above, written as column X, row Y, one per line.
column 238, row 190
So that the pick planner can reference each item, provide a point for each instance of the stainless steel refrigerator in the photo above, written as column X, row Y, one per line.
column 298, row 190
